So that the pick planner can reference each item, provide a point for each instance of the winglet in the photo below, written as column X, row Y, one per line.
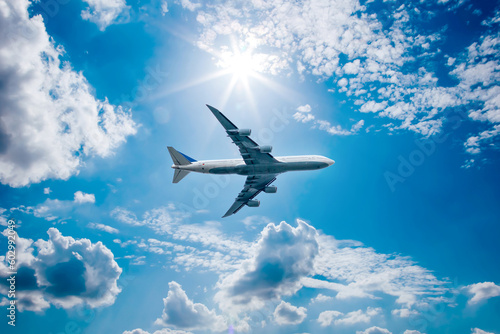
column 226, row 123
column 237, row 205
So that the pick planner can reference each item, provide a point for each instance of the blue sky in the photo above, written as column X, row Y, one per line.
column 400, row 235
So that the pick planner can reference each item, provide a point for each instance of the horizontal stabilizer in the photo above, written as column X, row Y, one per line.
column 179, row 174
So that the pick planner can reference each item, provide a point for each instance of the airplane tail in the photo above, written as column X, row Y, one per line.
column 179, row 174
column 179, row 159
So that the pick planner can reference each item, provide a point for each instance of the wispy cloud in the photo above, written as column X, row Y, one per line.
column 102, row 227
column 304, row 115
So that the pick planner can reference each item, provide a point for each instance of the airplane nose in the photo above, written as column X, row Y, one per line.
column 330, row 162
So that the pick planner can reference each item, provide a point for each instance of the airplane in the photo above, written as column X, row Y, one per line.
column 257, row 163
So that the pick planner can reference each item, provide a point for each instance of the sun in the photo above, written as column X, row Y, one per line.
column 242, row 65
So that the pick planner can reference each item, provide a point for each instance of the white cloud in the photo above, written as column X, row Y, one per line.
column 482, row 291
column 254, row 222
column 408, row 331
column 474, row 143
column 164, row 7
column 81, row 198
column 287, row 314
column 282, row 256
column 312, row 35
column 47, row 191
column 65, row 272
column 372, row 106
column 363, row 272
column 190, row 5
column 304, row 108
column 214, row 250
column 282, row 261
column 358, row 316
column 49, row 119
column 161, row 331
column 105, row 12
column 161, row 220
column 182, row 313
column 102, row 227
column 304, row 115
column 374, row 330
column 404, row 312
column 303, row 118
column 321, row 298
column 479, row 331
column 326, row 318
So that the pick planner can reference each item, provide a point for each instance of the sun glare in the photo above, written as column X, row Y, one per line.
column 241, row 65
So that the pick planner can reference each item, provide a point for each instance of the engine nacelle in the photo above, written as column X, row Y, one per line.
column 240, row 132
column 253, row 203
column 265, row 149
column 270, row 189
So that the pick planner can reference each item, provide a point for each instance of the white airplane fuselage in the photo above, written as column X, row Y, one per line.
column 238, row 166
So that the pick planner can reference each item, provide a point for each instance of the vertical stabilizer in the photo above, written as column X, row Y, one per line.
column 179, row 158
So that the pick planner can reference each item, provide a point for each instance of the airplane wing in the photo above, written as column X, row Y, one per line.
column 253, row 186
column 249, row 150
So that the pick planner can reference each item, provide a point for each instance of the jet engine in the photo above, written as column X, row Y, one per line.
column 270, row 189
column 265, row 149
column 253, row 203
column 241, row 132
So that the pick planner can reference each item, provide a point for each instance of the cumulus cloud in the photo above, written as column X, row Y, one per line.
column 182, row 313
column 326, row 318
column 283, row 260
column 106, row 12
column 404, row 312
column 64, row 272
column 408, row 331
column 358, row 316
column 304, row 108
column 287, row 314
column 81, row 198
column 374, row 330
column 49, row 118
column 321, row 298
column 482, row 291
column 283, row 255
